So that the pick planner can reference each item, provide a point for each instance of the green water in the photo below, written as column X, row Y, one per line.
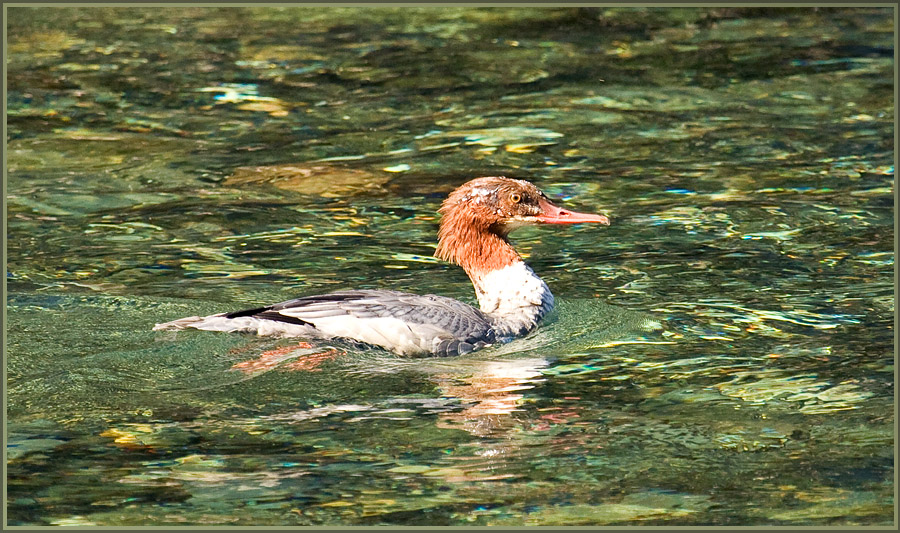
column 722, row 354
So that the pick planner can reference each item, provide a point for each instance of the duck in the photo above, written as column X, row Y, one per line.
column 476, row 220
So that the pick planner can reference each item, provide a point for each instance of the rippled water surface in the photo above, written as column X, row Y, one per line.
column 721, row 354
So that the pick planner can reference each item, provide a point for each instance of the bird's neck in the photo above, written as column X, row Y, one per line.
column 508, row 290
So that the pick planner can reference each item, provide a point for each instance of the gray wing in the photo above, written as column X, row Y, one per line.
column 404, row 322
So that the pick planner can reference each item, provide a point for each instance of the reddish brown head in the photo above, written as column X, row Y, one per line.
column 479, row 215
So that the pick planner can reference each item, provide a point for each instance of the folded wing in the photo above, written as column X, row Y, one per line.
column 402, row 322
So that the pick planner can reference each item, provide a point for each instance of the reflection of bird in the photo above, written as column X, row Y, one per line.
column 477, row 217
column 491, row 393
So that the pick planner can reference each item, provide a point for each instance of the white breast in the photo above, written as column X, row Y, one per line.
column 515, row 297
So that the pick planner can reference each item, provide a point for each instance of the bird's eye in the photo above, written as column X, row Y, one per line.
column 515, row 197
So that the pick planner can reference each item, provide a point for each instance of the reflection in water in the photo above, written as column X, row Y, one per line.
column 492, row 392
column 304, row 356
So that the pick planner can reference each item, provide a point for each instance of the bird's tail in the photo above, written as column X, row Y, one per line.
column 181, row 323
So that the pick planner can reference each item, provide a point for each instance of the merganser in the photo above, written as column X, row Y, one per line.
column 476, row 219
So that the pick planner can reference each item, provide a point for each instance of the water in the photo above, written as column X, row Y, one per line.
column 722, row 353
